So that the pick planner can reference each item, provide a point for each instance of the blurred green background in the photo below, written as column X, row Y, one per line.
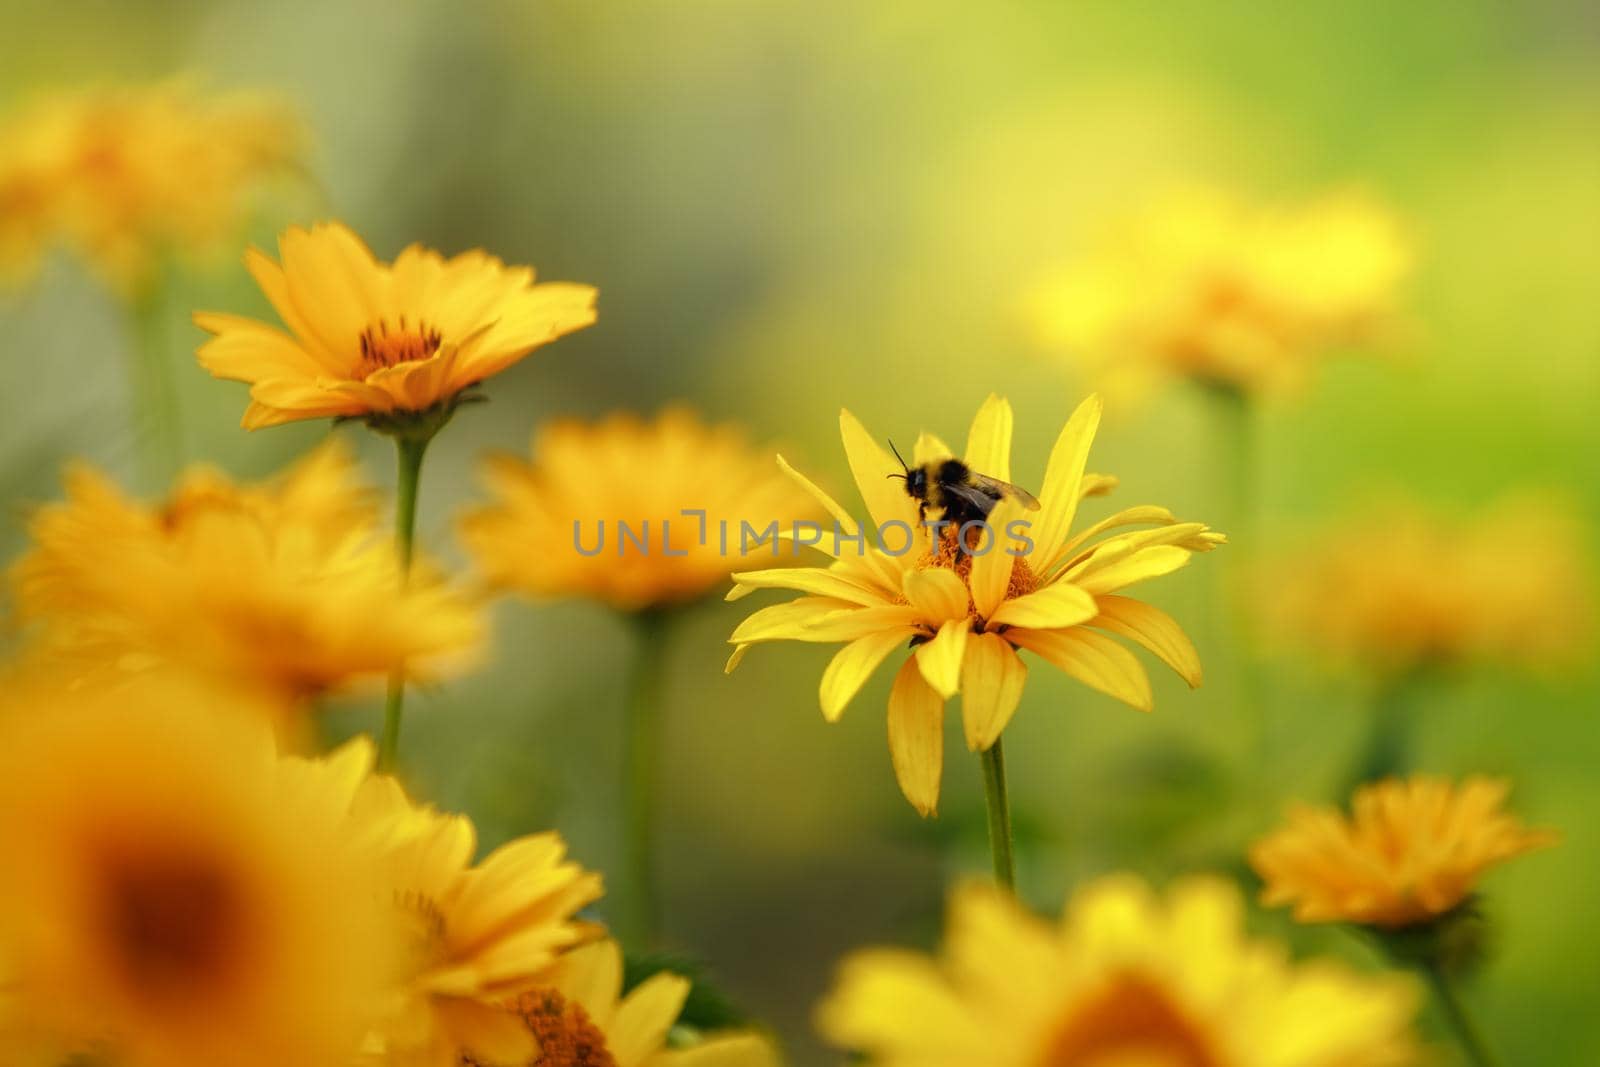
column 790, row 208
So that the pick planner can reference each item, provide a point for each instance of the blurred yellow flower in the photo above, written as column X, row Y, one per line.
column 285, row 589
column 1051, row 592
column 1396, row 587
column 1410, row 852
column 375, row 340
column 479, row 934
column 581, row 1019
column 546, row 533
column 126, row 175
column 172, row 896
column 1125, row 979
column 1202, row 286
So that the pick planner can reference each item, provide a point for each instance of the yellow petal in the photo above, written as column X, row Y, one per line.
column 938, row 594
column 244, row 350
column 929, row 448
column 916, row 738
column 940, row 658
column 989, row 439
column 786, row 622
column 643, row 1019
column 1062, row 477
column 1091, row 658
column 818, row 581
column 1150, row 562
column 1144, row 515
column 849, row 670
column 992, row 566
column 847, row 522
column 1054, row 607
column 736, row 658
column 728, row 1050
column 859, row 622
column 1155, row 630
column 992, row 677
column 885, row 497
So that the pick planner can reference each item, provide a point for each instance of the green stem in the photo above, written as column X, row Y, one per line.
column 1235, row 432
column 999, row 805
column 642, row 755
column 1466, row 1032
column 1387, row 751
column 157, row 420
column 409, row 452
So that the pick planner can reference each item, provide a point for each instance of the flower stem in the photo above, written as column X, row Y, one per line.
column 1235, row 434
column 157, row 423
column 409, row 452
column 1466, row 1032
column 1387, row 750
column 993, row 760
column 642, row 753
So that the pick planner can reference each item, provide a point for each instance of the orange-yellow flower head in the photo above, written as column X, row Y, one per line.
column 638, row 514
column 478, row 933
column 1410, row 852
column 967, row 611
column 127, row 175
column 581, row 1019
column 1396, row 586
column 378, row 340
column 1201, row 286
column 1126, row 979
column 288, row 589
column 173, row 894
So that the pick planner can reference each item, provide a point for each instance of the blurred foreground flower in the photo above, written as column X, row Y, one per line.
column 173, row 894
column 1410, row 853
column 1396, row 587
column 546, row 532
column 678, row 499
column 1243, row 298
column 580, row 1018
column 284, row 589
column 128, row 175
column 479, row 933
column 967, row 610
column 1126, row 978
column 1405, row 866
column 396, row 345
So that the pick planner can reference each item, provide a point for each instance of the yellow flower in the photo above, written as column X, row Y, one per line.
column 125, row 175
column 172, row 894
column 1125, row 980
column 968, row 615
column 555, row 527
column 480, row 934
column 1201, row 286
column 370, row 339
column 287, row 589
column 1396, row 587
column 1410, row 852
column 580, row 1019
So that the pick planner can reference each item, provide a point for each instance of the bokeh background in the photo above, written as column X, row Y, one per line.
column 790, row 208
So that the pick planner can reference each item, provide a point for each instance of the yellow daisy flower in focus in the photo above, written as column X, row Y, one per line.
column 1202, row 286
column 479, row 933
column 286, row 589
column 556, row 526
column 126, row 175
column 1125, row 978
column 381, row 341
column 967, row 616
column 1397, row 586
column 581, row 1019
column 172, row 896
column 1410, row 852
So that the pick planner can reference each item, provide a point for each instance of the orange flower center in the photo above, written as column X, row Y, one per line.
column 382, row 347
column 1130, row 1022
column 173, row 923
column 951, row 557
column 567, row 1036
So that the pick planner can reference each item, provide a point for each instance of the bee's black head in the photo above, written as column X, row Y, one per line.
column 917, row 483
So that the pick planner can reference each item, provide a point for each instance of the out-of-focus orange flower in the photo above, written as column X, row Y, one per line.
column 1410, row 852
column 1202, row 286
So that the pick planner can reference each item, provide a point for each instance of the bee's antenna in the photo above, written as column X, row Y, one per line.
column 897, row 455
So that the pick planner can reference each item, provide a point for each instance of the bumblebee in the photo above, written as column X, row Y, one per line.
column 955, row 489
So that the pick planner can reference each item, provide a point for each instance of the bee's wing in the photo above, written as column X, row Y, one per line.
column 994, row 489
